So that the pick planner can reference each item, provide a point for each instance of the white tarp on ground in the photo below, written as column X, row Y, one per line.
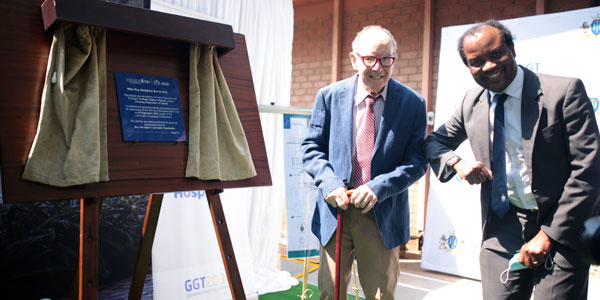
column 268, row 29
column 564, row 44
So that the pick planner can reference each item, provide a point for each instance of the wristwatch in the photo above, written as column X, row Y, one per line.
column 453, row 161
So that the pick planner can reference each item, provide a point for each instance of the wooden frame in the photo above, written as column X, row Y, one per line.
column 134, row 168
column 138, row 41
column 139, row 21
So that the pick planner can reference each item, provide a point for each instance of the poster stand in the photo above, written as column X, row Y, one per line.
column 137, row 41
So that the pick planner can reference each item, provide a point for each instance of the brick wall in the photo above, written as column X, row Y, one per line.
column 311, row 52
column 312, row 46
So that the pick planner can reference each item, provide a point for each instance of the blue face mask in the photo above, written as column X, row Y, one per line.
column 515, row 265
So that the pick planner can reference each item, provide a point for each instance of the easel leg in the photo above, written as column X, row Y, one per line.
column 86, row 274
column 231, row 268
column 145, row 249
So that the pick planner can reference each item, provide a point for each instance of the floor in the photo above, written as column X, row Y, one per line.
column 414, row 283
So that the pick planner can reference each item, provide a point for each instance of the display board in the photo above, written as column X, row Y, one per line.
column 300, row 191
column 155, row 44
column 565, row 44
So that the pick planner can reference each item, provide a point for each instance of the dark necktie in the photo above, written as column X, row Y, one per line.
column 365, row 142
column 499, row 190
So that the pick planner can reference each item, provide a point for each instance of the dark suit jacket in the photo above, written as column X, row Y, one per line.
column 397, row 162
column 561, row 144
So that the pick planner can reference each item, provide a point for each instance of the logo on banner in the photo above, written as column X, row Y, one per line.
column 450, row 242
column 596, row 26
column 592, row 30
column 535, row 66
column 190, row 194
column 595, row 104
column 203, row 284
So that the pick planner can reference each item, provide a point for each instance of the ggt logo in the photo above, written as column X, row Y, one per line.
column 533, row 66
column 194, row 284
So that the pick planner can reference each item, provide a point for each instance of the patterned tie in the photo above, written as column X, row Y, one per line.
column 499, row 190
column 365, row 142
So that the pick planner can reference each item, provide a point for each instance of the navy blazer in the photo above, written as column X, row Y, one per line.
column 397, row 162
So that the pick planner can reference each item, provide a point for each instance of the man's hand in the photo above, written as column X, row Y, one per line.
column 533, row 253
column 338, row 198
column 363, row 197
column 474, row 173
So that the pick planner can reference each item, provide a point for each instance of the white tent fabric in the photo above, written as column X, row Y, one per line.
column 268, row 29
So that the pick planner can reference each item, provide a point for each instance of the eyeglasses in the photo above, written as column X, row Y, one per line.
column 371, row 61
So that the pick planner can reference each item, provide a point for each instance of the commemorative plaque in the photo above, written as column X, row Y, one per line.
column 150, row 108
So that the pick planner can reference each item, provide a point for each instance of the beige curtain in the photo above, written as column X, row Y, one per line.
column 70, row 144
column 218, row 148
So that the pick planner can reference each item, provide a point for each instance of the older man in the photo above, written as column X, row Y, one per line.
column 366, row 132
column 537, row 147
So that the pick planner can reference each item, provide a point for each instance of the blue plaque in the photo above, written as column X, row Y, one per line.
column 150, row 108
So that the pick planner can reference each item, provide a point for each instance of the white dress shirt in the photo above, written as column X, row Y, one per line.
column 519, row 183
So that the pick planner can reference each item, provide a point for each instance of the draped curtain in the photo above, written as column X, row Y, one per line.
column 218, row 148
column 70, row 144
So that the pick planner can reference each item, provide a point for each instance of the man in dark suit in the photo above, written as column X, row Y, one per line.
column 366, row 131
column 538, row 163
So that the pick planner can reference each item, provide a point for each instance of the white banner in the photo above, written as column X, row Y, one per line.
column 186, row 259
column 565, row 44
column 300, row 191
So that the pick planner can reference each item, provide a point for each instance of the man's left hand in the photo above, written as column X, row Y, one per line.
column 363, row 197
column 533, row 253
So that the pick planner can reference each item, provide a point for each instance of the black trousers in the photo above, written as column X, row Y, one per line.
column 563, row 276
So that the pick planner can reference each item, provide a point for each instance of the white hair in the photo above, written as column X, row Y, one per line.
column 368, row 29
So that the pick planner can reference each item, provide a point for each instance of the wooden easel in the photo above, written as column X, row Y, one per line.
column 138, row 41
column 225, row 245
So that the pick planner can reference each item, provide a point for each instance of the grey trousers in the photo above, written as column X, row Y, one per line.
column 563, row 276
